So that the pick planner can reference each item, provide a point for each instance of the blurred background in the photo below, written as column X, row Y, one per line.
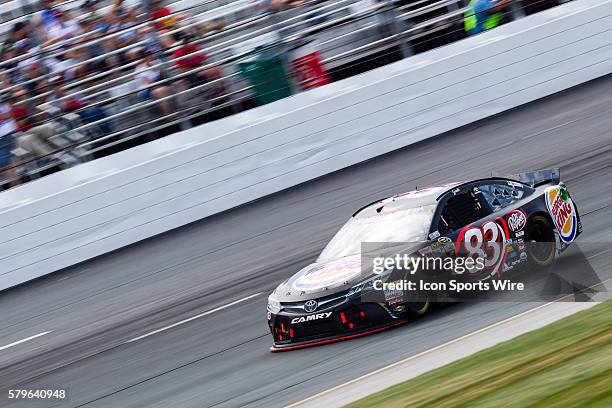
column 84, row 79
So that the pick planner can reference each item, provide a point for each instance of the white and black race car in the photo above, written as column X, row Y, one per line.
column 495, row 217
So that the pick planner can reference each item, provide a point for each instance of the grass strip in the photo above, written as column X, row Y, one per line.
column 567, row 363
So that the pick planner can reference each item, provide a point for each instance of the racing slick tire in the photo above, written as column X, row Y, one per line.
column 419, row 308
column 541, row 230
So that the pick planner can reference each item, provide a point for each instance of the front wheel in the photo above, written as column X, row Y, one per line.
column 418, row 308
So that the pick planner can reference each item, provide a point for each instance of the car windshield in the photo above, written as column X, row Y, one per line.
column 405, row 225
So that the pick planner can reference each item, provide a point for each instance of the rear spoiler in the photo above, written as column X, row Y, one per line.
column 538, row 177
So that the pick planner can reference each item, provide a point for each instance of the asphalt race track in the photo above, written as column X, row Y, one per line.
column 220, row 358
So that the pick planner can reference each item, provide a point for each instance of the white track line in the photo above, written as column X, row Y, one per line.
column 193, row 318
column 24, row 340
column 431, row 350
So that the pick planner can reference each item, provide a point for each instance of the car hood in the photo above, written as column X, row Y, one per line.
column 326, row 278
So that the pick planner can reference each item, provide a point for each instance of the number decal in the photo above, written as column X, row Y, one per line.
column 487, row 242
column 472, row 242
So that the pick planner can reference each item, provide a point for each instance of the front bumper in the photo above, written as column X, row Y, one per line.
column 348, row 320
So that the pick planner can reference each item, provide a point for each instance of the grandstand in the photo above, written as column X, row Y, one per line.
column 84, row 79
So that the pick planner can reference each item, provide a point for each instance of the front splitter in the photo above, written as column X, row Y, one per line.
column 288, row 347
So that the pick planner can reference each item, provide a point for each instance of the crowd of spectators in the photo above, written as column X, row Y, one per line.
column 60, row 60
column 98, row 60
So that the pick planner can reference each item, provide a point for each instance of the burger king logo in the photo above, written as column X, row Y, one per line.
column 562, row 211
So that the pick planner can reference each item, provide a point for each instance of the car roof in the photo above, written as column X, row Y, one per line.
column 411, row 199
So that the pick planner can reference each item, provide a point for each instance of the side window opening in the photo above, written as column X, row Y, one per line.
column 464, row 209
column 500, row 195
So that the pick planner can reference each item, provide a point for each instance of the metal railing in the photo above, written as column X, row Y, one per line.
column 386, row 30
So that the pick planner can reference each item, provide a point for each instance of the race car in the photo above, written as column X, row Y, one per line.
column 495, row 217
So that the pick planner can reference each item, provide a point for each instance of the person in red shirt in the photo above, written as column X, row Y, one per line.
column 193, row 58
column 165, row 21
column 189, row 57
column 159, row 11
column 20, row 111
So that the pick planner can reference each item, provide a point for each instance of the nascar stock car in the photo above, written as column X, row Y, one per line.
column 495, row 216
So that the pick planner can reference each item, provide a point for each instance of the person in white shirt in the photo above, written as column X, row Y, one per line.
column 144, row 77
column 73, row 65
column 8, row 126
column 63, row 30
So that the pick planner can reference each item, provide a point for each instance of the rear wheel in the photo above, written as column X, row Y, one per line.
column 542, row 250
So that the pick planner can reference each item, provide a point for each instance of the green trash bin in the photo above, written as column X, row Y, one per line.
column 267, row 71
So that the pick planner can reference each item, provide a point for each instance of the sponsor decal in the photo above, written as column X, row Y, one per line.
column 393, row 296
column 434, row 235
column 311, row 318
column 442, row 245
column 516, row 220
column 427, row 251
column 562, row 211
column 447, row 244
column 319, row 276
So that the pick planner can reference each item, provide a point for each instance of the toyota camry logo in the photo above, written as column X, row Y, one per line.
column 310, row 306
